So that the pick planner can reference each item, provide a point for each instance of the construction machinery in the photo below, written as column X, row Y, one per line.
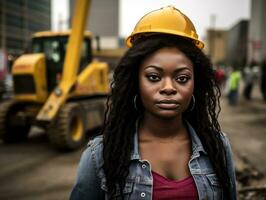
column 58, row 87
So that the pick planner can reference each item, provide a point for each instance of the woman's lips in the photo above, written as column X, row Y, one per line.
column 168, row 104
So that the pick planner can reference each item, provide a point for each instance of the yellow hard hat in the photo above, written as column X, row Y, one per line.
column 167, row 20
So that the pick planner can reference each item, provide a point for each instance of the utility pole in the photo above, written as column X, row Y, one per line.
column 213, row 36
column 25, row 27
column 60, row 22
column 3, row 28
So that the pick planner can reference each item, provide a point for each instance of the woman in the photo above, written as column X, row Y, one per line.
column 161, row 138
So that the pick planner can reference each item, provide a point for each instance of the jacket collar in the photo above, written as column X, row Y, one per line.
column 135, row 152
column 196, row 143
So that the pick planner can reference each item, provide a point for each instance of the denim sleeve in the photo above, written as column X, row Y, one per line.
column 230, row 166
column 87, row 185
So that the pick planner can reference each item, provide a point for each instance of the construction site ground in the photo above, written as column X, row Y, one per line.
column 35, row 170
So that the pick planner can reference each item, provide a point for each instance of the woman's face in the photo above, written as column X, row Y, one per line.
column 166, row 83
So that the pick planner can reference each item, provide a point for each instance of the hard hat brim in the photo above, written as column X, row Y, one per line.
column 129, row 40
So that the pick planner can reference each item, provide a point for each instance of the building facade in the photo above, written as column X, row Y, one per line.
column 19, row 19
column 257, row 32
column 103, row 21
column 237, row 44
column 216, row 45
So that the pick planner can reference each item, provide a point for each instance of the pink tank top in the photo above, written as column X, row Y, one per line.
column 166, row 189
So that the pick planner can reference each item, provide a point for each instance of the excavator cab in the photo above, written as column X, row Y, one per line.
column 53, row 45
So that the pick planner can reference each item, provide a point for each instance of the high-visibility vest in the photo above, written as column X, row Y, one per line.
column 234, row 80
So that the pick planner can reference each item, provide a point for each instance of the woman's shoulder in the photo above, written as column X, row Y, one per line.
column 94, row 150
column 88, row 184
column 96, row 142
column 227, row 146
column 230, row 163
column 225, row 139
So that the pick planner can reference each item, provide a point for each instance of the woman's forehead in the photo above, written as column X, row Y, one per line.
column 167, row 56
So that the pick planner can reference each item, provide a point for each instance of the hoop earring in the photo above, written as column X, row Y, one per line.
column 193, row 103
column 135, row 103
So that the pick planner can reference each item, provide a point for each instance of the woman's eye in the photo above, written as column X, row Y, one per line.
column 153, row 77
column 182, row 79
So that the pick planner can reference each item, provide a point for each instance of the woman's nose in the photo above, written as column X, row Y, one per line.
column 168, row 87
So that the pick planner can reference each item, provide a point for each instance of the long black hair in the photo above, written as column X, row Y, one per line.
column 121, row 116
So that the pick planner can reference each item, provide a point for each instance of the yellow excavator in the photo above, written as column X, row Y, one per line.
column 59, row 87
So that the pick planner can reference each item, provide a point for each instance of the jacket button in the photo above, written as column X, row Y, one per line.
column 142, row 194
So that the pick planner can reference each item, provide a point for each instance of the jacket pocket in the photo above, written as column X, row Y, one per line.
column 117, row 196
column 126, row 191
column 215, row 187
column 213, row 179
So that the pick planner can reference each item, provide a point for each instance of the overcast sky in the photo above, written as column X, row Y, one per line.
column 225, row 12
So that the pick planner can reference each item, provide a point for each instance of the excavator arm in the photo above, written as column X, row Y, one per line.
column 71, row 63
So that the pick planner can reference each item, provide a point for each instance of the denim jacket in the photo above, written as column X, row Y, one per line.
column 91, row 180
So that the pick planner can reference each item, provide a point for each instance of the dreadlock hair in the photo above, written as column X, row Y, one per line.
column 121, row 116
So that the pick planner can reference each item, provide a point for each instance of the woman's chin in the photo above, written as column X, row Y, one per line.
column 168, row 114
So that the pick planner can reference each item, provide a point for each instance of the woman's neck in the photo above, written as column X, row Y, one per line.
column 155, row 127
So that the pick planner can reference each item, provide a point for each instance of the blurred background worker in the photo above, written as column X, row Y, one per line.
column 263, row 80
column 220, row 76
column 234, row 81
column 249, row 80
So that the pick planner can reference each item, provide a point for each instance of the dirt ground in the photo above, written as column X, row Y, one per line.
column 245, row 125
column 34, row 170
